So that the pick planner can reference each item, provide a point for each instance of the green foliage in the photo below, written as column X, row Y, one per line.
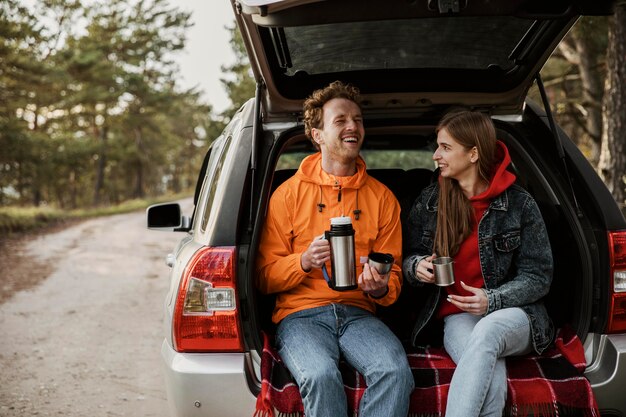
column 239, row 84
column 23, row 219
column 402, row 159
column 91, row 112
column 574, row 79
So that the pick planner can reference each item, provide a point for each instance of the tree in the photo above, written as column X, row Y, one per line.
column 585, row 78
column 155, row 32
column 90, row 108
column 30, row 76
column 125, row 86
column 239, row 84
column 612, row 165
column 13, row 51
column 584, row 49
column 576, row 74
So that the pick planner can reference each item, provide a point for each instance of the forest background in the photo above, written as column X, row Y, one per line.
column 93, row 115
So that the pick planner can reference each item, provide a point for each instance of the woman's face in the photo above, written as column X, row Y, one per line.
column 453, row 159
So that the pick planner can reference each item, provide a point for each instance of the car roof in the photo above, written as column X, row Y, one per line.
column 406, row 56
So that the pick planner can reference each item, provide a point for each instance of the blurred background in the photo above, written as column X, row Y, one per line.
column 110, row 106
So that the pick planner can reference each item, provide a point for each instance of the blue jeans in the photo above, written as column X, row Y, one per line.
column 478, row 345
column 311, row 342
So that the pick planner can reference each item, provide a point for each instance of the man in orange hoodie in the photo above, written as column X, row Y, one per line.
column 316, row 324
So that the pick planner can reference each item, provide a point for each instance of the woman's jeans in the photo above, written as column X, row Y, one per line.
column 311, row 342
column 478, row 345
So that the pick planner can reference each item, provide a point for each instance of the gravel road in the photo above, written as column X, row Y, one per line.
column 85, row 339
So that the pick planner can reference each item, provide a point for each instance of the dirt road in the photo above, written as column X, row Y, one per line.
column 85, row 340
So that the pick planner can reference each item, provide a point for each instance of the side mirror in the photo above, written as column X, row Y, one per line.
column 167, row 217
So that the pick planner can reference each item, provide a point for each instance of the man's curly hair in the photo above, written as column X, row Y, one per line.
column 313, row 113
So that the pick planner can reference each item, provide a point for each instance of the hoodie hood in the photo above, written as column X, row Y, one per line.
column 501, row 179
column 311, row 171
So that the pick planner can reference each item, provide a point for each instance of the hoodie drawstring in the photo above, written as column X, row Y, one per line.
column 321, row 205
column 357, row 212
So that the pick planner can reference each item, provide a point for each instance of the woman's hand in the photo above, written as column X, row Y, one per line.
column 424, row 270
column 476, row 303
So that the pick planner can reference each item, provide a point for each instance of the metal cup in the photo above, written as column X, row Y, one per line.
column 381, row 262
column 444, row 271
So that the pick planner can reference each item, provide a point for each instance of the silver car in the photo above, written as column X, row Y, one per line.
column 412, row 60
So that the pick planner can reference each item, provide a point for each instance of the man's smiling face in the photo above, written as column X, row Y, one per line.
column 341, row 136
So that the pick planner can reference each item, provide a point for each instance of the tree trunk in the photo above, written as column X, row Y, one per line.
column 73, row 190
column 592, row 84
column 612, row 165
column 102, row 157
column 585, row 48
column 139, row 168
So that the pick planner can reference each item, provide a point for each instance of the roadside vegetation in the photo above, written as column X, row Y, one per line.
column 26, row 219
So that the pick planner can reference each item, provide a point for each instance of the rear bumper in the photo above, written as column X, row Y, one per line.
column 206, row 385
column 607, row 373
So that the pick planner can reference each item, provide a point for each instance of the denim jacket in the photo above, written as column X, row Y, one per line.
column 515, row 257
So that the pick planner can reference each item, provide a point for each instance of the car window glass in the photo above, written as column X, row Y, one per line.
column 374, row 158
column 398, row 158
column 214, row 170
column 468, row 42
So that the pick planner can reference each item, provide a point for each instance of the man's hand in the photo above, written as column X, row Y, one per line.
column 373, row 283
column 316, row 255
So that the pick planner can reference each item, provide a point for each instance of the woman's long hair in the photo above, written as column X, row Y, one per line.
column 455, row 215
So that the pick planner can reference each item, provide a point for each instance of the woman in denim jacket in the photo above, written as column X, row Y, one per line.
column 502, row 262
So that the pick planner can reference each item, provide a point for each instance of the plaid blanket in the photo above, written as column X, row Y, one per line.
column 548, row 385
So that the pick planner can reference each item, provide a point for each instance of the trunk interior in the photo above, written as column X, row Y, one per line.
column 399, row 156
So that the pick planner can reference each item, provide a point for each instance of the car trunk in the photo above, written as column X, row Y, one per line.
column 405, row 56
column 570, row 299
column 412, row 61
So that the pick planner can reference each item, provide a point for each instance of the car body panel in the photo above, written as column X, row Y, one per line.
column 393, row 50
column 607, row 373
column 206, row 384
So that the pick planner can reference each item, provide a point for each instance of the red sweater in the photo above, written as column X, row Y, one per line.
column 467, row 261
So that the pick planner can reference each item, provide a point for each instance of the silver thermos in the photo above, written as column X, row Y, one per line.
column 342, row 258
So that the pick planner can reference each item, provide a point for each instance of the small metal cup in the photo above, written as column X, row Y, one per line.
column 381, row 262
column 444, row 271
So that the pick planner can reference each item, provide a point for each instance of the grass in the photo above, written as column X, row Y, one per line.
column 15, row 219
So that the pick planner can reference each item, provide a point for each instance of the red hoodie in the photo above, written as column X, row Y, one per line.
column 467, row 261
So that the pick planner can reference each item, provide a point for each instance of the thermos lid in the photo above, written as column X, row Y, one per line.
column 339, row 221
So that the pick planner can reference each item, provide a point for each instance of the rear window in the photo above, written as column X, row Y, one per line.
column 468, row 43
column 389, row 151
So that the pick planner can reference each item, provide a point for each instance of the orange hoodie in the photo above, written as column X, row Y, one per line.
column 294, row 220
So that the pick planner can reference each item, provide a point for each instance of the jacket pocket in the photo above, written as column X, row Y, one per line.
column 427, row 241
column 507, row 242
column 506, row 245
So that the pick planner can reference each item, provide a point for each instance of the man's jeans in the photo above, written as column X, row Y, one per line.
column 478, row 345
column 311, row 342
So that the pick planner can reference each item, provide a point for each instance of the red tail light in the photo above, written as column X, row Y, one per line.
column 617, row 312
column 205, row 315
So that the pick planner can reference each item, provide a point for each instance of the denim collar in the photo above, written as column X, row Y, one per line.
column 501, row 202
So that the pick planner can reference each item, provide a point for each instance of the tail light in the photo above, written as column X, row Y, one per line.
column 617, row 312
column 205, row 315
